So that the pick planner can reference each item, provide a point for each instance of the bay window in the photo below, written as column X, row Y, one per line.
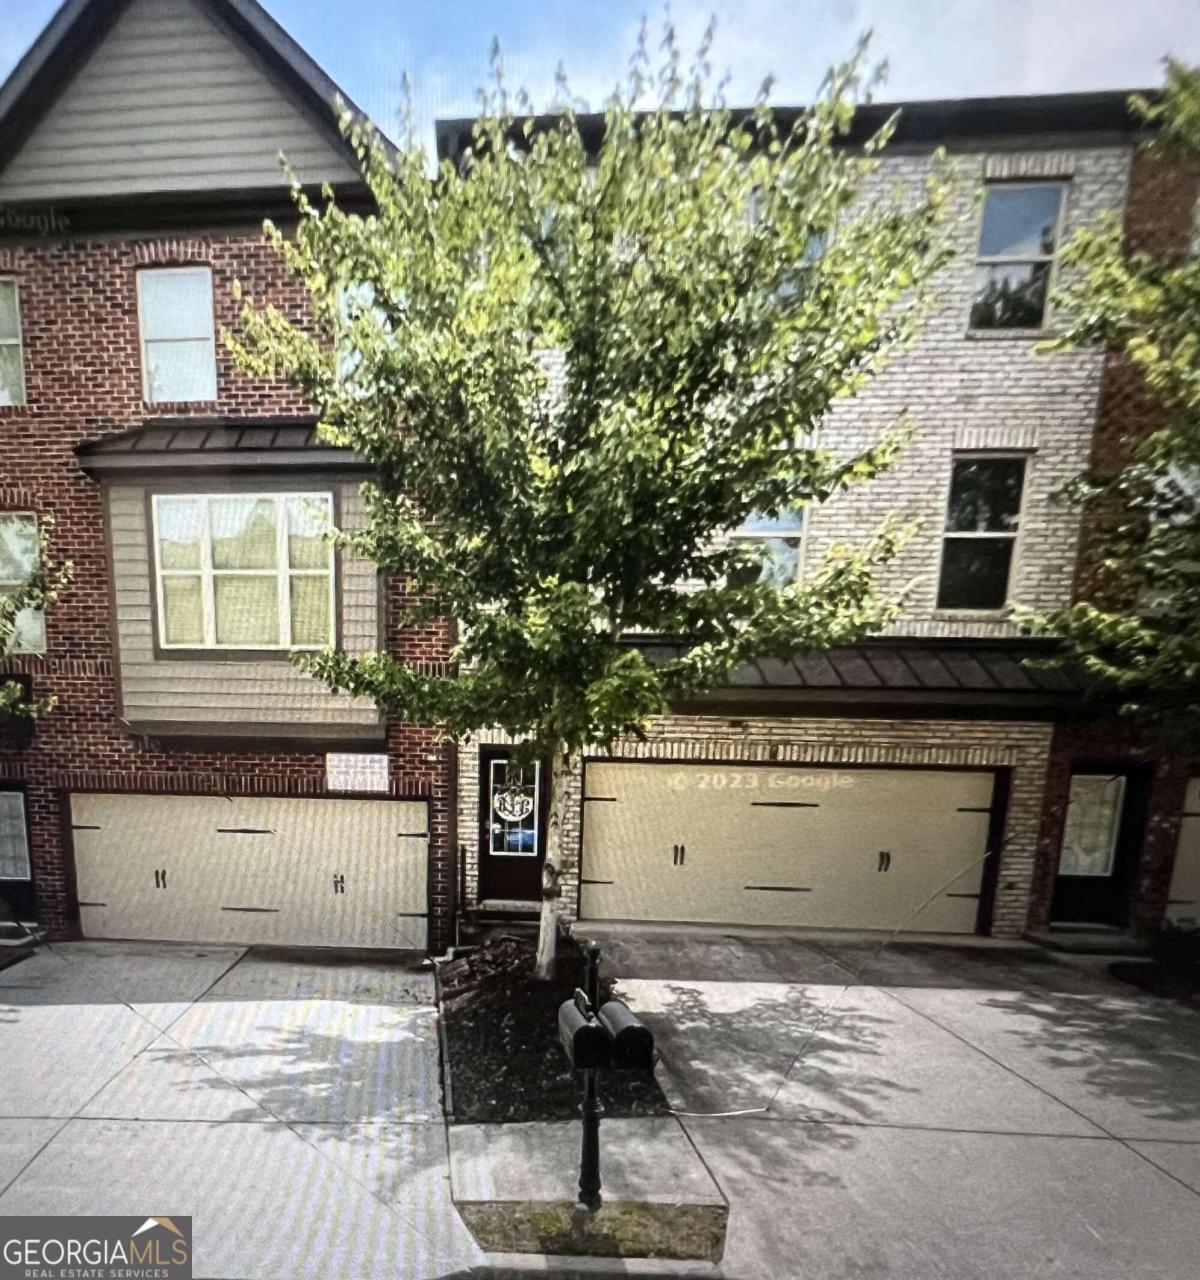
column 244, row 571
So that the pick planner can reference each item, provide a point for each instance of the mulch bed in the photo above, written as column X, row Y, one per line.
column 506, row 1062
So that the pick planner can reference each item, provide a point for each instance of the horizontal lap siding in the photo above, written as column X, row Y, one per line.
column 224, row 692
column 169, row 103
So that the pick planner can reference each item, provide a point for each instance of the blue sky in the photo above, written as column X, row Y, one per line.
column 935, row 48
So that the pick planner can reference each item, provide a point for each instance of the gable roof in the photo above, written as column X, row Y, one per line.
column 62, row 56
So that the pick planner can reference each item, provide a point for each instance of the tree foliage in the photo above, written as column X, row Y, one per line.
column 41, row 591
column 574, row 372
column 1138, row 637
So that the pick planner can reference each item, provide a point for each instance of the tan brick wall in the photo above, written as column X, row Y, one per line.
column 977, row 391
column 1022, row 747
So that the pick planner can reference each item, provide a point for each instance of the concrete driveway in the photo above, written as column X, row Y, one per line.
column 937, row 1110
column 289, row 1103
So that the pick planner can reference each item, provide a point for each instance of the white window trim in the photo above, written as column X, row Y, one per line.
column 144, row 341
column 948, row 610
column 502, row 761
column 1015, row 259
column 13, row 584
column 25, row 831
column 1114, row 834
column 282, row 573
column 18, row 342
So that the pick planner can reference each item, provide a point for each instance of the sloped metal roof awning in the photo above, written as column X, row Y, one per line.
column 897, row 676
column 216, row 446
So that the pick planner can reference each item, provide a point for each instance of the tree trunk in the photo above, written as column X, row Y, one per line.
column 562, row 767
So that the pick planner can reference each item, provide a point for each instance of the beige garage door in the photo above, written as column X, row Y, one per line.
column 844, row 848
column 239, row 869
column 1184, row 904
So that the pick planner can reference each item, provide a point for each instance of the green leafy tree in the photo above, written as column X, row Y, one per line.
column 1137, row 636
column 575, row 371
column 40, row 591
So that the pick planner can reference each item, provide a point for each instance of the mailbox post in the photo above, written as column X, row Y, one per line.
column 596, row 1037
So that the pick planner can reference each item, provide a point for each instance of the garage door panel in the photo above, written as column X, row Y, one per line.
column 252, row 869
column 867, row 848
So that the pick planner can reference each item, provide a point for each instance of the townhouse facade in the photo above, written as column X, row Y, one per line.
column 191, row 784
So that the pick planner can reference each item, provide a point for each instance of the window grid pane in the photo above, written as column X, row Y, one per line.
column 513, row 837
column 14, row 842
column 18, row 556
column 243, row 594
column 985, row 495
column 12, row 373
column 10, row 320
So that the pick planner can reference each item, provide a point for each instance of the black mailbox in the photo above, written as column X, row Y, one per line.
column 632, row 1040
column 585, row 1040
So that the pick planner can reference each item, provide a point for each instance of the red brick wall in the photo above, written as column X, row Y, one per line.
column 1159, row 219
column 83, row 375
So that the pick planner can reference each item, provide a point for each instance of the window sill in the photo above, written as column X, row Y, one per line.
column 972, row 615
column 159, row 408
column 280, row 656
column 1010, row 335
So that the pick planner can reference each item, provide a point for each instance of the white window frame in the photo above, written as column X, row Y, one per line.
column 743, row 535
column 1019, row 259
column 503, row 762
column 1114, row 834
column 144, row 341
column 948, row 534
column 18, row 341
column 12, row 584
column 24, row 811
column 282, row 573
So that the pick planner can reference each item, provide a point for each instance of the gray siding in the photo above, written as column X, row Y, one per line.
column 187, row 692
column 169, row 102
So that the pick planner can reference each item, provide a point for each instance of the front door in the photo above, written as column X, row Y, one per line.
column 1101, row 844
column 513, row 808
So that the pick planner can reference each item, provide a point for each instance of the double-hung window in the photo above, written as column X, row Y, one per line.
column 175, row 312
column 14, row 837
column 12, row 354
column 18, row 559
column 778, row 541
column 244, row 571
column 1017, row 241
column 982, row 520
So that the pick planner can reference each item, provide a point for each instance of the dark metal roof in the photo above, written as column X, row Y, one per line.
column 79, row 26
column 891, row 675
column 952, row 122
column 207, row 445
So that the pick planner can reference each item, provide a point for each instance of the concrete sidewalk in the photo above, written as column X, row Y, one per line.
column 940, row 1110
column 290, row 1106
